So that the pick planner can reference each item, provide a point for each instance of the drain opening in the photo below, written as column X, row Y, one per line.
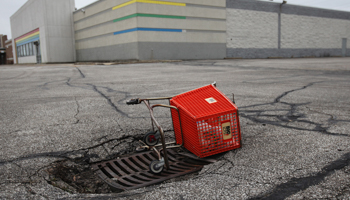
column 122, row 167
column 105, row 171
column 150, row 177
column 175, row 170
column 123, row 184
column 141, row 178
column 130, row 166
column 113, row 169
column 127, row 173
column 136, row 171
column 131, row 181
column 179, row 168
column 143, row 161
column 137, row 164
column 168, row 172
column 148, row 158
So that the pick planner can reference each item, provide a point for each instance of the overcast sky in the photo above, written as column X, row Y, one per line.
column 9, row 7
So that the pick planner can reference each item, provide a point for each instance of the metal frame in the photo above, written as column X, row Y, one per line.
column 161, row 131
column 155, row 122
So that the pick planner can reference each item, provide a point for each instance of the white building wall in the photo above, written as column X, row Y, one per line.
column 257, row 29
column 179, row 29
column 55, row 21
column 251, row 29
column 28, row 59
column 60, row 31
column 28, row 18
column 313, row 32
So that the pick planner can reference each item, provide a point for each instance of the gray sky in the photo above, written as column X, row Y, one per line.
column 9, row 7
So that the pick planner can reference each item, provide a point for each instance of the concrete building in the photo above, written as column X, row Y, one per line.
column 43, row 32
column 146, row 30
column 263, row 29
column 9, row 52
column 2, row 56
column 6, row 55
column 3, row 38
column 109, row 30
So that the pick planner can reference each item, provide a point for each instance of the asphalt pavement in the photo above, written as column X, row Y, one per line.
column 294, row 114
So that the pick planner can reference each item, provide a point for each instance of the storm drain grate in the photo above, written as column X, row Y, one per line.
column 133, row 172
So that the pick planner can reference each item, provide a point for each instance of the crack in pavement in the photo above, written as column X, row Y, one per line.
column 58, row 154
column 278, row 99
column 68, row 82
column 66, row 154
column 291, row 116
column 296, row 185
column 78, row 111
column 44, row 86
column 81, row 73
column 108, row 100
column 15, row 77
column 113, row 105
column 120, row 101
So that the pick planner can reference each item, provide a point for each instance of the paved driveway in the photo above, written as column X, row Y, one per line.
column 295, row 120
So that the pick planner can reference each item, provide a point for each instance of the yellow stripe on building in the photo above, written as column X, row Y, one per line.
column 161, row 2
column 149, row 1
column 31, row 35
column 124, row 4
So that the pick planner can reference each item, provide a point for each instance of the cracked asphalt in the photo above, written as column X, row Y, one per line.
column 294, row 113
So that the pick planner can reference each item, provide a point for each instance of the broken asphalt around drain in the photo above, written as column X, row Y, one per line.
column 294, row 114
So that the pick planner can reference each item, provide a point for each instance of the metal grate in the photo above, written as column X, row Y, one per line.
column 133, row 172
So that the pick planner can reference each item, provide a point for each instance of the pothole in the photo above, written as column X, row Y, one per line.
column 76, row 177
column 83, row 174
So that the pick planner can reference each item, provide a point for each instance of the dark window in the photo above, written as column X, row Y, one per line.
column 30, row 49
column 27, row 49
column 39, row 50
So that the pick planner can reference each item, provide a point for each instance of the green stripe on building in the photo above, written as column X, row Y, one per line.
column 148, row 15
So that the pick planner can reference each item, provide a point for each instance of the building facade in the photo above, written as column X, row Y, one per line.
column 42, row 31
column 147, row 30
column 264, row 29
column 108, row 30
column 3, row 38
column 9, row 52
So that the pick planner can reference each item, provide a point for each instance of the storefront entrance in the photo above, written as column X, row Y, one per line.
column 38, row 51
column 2, row 57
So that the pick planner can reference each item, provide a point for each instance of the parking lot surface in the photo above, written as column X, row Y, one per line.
column 294, row 114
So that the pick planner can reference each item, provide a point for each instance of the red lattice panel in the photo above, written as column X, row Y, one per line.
column 209, row 121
